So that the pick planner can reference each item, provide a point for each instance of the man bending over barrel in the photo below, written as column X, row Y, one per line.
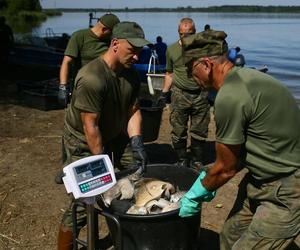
column 257, row 122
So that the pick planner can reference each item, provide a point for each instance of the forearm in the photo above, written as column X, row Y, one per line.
column 167, row 82
column 92, row 133
column 94, row 139
column 134, row 126
column 224, row 168
column 63, row 74
column 217, row 177
column 64, row 70
column 206, row 184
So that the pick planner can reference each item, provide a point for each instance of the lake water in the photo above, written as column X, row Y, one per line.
column 265, row 39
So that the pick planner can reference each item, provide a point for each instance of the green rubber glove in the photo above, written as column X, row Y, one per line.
column 191, row 201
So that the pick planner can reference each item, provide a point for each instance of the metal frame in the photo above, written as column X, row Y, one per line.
column 92, row 226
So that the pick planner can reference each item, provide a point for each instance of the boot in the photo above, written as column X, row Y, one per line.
column 197, row 154
column 59, row 176
column 180, row 149
column 65, row 239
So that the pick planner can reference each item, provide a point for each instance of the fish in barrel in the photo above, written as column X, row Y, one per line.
column 137, row 195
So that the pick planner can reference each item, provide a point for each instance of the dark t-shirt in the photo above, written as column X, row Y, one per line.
column 254, row 109
column 161, row 49
column 176, row 66
column 99, row 90
column 84, row 46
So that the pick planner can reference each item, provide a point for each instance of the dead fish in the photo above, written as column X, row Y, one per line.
column 152, row 207
column 123, row 189
column 137, row 210
column 155, row 206
column 111, row 194
column 127, row 189
column 154, row 210
column 177, row 196
column 170, row 207
column 151, row 189
column 161, row 203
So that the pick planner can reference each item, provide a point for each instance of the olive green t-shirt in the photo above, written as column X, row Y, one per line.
column 254, row 109
column 100, row 90
column 175, row 65
column 85, row 46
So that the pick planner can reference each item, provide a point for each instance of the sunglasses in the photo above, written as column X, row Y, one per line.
column 186, row 34
column 190, row 66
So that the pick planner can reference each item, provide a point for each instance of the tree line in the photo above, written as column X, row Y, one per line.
column 13, row 6
column 223, row 8
column 28, row 9
column 23, row 15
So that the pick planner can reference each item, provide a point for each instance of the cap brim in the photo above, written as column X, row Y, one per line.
column 138, row 42
column 187, row 58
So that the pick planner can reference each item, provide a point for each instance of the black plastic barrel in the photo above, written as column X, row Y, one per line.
column 151, row 115
column 160, row 231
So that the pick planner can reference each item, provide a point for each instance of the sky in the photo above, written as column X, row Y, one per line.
column 158, row 3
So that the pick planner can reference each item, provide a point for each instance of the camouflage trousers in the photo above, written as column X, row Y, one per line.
column 266, row 215
column 73, row 149
column 188, row 106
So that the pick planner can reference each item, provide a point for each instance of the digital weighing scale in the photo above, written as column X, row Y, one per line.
column 87, row 178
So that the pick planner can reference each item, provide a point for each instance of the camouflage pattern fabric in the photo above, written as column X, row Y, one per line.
column 191, row 105
column 73, row 149
column 205, row 43
column 266, row 215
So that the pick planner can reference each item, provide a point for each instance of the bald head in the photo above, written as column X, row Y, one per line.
column 186, row 27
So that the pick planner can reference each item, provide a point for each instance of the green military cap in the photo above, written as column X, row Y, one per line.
column 206, row 43
column 109, row 20
column 132, row 32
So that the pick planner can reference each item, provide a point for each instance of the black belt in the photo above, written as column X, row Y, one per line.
column 190, row 91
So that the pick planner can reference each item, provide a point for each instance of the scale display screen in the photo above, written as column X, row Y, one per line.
column 89, row 176
column 89, row 170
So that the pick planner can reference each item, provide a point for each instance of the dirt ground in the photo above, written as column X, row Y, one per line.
column 31, row 204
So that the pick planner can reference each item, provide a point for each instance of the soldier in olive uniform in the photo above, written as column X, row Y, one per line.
column 104, row 116
column 84, row 46
column 257, row 128
column 189, row 103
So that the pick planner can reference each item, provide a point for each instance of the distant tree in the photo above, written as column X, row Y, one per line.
column 32, row 5
column 3, row 4
column 14, row 6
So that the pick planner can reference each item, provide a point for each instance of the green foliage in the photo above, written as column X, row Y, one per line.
column 52, row 12
column 25, row 21
column 32, row 5
column 22, row 15
column 14, row 6
column 3, row 4
column 29, row 16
